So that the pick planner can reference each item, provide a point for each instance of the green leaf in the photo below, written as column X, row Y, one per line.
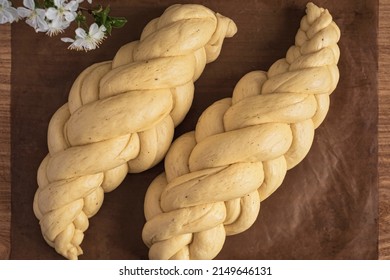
column 101, row 16
column 81, row 18
column 117, row 22
column 108, row 27
column 105, row 13
column 48, row 3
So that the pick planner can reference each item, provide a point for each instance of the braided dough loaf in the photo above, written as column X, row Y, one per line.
column 120, row 118
column 216, row 176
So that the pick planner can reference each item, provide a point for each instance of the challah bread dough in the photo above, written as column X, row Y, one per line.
column 120, row 118
column 216, row 176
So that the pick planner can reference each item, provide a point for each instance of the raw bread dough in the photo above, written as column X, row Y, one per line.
column 120, row 118
column 238, row 155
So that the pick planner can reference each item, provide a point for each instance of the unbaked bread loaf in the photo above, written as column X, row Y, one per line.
column 216, row 176
column 120, row 118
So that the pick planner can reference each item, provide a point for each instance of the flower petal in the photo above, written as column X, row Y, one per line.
column 23, row 12
column 5, row 3
column 32, row 22
column 42, row 25
column 76, row 45
column 3, row 19
column 9, row 14
column 40, row 13
column 67, row 40
column 29, row 4
column 99, row 35
column 80, row 33
column 70, row 16
column 72, row 6
column 51, row 13
column 93, row 29
column 102, row 29
column 59, row 3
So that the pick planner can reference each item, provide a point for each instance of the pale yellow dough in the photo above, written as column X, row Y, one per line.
column 120, row 118
column 238, row 155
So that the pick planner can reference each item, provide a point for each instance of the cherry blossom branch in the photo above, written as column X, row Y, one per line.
column 54, row 16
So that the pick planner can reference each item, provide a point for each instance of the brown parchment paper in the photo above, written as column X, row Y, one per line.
column 325, row 209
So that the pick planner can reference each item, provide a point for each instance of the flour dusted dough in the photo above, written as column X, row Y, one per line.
column 238, row 155
column 120, row 118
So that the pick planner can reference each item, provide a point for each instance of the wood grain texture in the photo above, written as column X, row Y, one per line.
column 384, row 129
column 5, row 140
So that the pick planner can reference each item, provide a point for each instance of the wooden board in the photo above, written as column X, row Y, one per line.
column 5, row 140
column 344, row 225
column 384, row 129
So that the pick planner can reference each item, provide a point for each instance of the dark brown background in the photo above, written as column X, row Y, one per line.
column 327, row 207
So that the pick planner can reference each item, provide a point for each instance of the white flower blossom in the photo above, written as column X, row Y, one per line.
column 7, row 12
column 81, row 1
column 61, row 16
column 35, row 17
column 55, row 28
column 56, row 18
column 84, row 41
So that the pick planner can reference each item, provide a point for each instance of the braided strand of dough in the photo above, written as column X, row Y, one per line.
column 238, row 155
column 120, row 118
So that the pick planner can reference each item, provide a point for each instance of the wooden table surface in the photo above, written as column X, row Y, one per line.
column 384, row 128
column 383, row 133
column 5, row 138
